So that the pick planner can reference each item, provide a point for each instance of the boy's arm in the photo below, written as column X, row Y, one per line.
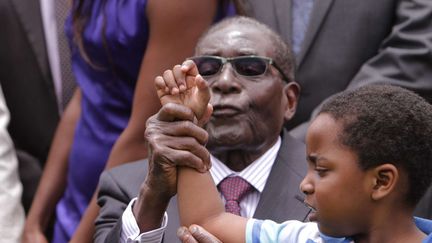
column 199, row 203
column 198, row 199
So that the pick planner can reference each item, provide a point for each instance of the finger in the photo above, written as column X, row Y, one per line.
column 200, row 82
column 161, row 87
column 173, row 112
column 201, row 156
column 170, row 125
column 190, row 68
column 179, row 77
column 206, row 116
column 201, row 97
column 186, row 129
column 193, row 154
column 170, row 81
column 184, row 235
column 174, row 157
column 190, row 81
column 203, row 89
column 201, row 235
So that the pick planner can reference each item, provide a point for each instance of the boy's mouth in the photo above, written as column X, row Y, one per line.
column 310, row 206
column 312, row 214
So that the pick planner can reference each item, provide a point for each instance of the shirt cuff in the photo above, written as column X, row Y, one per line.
column 131, row 232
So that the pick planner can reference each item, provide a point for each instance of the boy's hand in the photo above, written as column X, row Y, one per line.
column 196, row 234
column 183, row 85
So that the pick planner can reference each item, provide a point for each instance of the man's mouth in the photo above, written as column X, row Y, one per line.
column 225, row 111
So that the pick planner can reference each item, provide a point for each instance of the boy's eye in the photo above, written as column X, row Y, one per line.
column 321, row 171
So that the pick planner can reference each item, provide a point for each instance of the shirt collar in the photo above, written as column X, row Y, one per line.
column 256, row 173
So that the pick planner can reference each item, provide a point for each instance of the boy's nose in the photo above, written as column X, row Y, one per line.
column 306, row 186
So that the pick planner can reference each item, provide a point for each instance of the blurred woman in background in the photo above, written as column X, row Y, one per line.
column 118, row 47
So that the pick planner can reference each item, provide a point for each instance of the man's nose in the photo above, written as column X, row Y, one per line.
column 227, row 81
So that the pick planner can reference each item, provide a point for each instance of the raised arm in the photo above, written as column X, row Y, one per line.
column 199, row 201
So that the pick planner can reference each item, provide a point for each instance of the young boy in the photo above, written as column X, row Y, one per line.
column 369, row 155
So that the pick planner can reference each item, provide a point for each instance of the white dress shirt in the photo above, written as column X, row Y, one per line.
column 256, row 174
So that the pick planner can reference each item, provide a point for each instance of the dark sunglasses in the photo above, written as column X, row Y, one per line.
column 248, row 66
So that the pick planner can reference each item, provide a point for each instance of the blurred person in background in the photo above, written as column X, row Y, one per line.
column 31, row 82
column 351, row 43
column 11, row 213
column 117, row 48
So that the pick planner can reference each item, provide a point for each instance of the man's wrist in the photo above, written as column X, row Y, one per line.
column 131, row 232
column 149, row 208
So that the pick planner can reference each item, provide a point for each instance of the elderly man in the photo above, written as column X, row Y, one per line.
column 249, row 71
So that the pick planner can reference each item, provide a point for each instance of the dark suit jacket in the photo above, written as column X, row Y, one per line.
column 27, row 86
column 278, row 200
column 351, row 43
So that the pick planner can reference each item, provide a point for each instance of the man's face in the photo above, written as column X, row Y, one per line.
column 335, row 185
column 248, row 111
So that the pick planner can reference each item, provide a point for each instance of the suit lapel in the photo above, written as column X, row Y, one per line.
column 29, row 13
column 283, row 16
column 319, row 12
column 281, row 198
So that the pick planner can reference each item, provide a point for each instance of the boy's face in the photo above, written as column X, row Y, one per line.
column 334, row 184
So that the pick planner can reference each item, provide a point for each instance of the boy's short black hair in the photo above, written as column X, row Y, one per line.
column 387, row 124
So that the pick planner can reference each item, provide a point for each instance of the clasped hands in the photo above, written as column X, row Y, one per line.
column 175, row 135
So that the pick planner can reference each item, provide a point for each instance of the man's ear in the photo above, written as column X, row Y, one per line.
column 384, row 180
column 292, row 92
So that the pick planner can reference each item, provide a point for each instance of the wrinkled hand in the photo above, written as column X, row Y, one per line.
column 183, row 85
column 196, row 234
column 174, row 140
column 174, row 134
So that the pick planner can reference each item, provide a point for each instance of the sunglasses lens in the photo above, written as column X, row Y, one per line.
column 208, row 66
column 250, row 66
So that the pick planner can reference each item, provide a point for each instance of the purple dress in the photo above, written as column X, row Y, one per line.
column 107, row 94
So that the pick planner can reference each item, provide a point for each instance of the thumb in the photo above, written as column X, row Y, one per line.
column 206, row 116
column 201, row 97
column 202, row 236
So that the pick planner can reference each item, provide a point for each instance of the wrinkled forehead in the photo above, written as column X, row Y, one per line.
column 235, row 40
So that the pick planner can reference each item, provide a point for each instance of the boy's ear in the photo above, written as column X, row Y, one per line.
column 292, row 92
column 384, row 179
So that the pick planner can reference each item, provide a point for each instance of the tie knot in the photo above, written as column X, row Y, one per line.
column 234, row 188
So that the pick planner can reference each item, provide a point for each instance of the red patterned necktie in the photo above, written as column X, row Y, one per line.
column 234, row 189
